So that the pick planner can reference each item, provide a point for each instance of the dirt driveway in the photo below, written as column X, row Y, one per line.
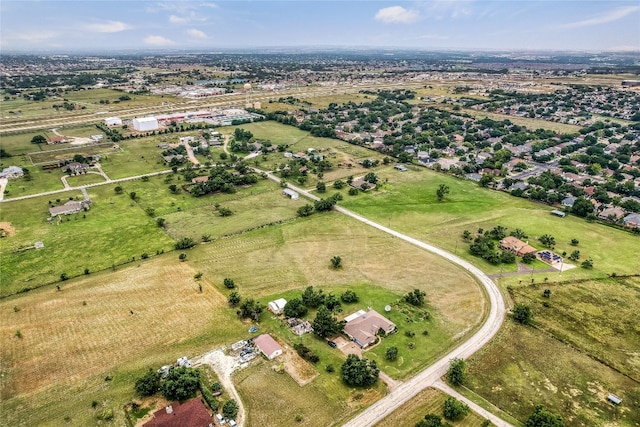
column 348, row 347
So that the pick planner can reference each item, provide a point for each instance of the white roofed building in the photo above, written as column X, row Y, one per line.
column 144, row 124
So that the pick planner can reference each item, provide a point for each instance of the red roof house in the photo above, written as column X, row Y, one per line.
column 191, row 413
column 268, row 346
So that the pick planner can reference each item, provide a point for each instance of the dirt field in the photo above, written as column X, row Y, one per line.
column 6, row 229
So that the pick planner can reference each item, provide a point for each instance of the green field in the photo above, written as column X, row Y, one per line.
column 408, row 204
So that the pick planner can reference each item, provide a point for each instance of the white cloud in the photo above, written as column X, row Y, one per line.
column 196, row 34
column 397, row 15
column 32, row 36
column 174, row 19
column 611, row 16
column 106, row 27
column 158, row 41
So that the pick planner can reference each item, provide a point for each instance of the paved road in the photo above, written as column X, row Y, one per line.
column 432, row 374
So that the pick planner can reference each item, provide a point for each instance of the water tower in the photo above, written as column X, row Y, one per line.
column 247, row 95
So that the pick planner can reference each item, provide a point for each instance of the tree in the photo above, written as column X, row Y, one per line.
column 582, row 207
column 185, row 243
column 230, row 409
column 455, row 374
column 251, row 309
column 416, row 297
column 160, row 222
column 442, row 191
column 325, row 324
column 546, row 293
column 391, row 353
column 543, row 418
column 118, row 189
column 486, row 180
column 295, row 308
column 312, row 298
column 430, row 420
column 371, row 178
column 38, row 139
column 359, row 372
column 528, row 258
column 225, row 211
column 148, row 384
column 229, row 283
column 321, row 187
column 339, row 184
column 305, row 210
column 182, row 257
column 454, row 409
column 180, row 383
column 522, row 314
column 336, row 262
column 64, row 276
column 234, row 299
column 466, row 235
column 349, row 296
column 575, row 255
column 133, row 196
column 574, row 242
column 587, row 263
column 547, row 240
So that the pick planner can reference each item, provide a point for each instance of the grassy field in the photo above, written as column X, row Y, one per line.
column 428, row 401
column 107, row 234
column 408, row 203
column 85, row 179
column 578, row 315
column 523, row 367
column 72, row 339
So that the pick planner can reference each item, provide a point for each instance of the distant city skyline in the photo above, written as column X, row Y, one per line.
column 98, row 25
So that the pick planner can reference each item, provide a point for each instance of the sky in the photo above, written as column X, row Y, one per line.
column 99, row 25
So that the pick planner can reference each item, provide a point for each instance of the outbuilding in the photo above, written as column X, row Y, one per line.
column 144, row 124
column 290, row 193
column 277, row 306
column 614, row 399
column 268, row 346
column 113, row 121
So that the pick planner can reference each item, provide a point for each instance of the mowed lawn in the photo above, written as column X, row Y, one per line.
column 72, row 339
column 428, row 401
column 408, row 203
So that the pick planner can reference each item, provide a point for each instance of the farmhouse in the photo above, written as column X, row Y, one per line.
column 58, row 139
column 363, row 326
column 191, row 413
column 69, row 208
column 268, row 346
column 516, row 246
column 144, row 124
column 291, row 194
column 277, row 306
column 361, row 184
column 75, row 168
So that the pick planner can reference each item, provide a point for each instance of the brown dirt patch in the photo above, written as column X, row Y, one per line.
column 6, row 229
column 298, row 368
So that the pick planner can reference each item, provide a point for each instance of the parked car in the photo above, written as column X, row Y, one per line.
column 332, row 344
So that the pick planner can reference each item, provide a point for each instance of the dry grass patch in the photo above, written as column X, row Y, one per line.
column 87, row 328
column 299, row 369
column 6, row 229
column 428, row 401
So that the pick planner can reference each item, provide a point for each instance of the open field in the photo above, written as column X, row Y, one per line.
column 408, row 203
column 429, row 401
column 288, row 256
column 529, row 123
column 73, row 338
column 324, row 401
column 107, row 234
column 85, row 179
column 67, row 151
column 523, row 367
column 578, row 314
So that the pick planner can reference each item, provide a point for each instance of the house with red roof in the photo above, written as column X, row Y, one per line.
column 191, row 413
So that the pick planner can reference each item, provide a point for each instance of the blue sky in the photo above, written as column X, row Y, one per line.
column 56, row 25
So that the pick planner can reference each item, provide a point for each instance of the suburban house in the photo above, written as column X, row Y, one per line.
column 363, row 326
column 277, row 306
column 361, row 184
column 12, row 172
column 516, row 246
column 74, row 168
column 268, row 346
column 632, row 220
column 191, row 413
column 614, row 213
column 568, row 201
